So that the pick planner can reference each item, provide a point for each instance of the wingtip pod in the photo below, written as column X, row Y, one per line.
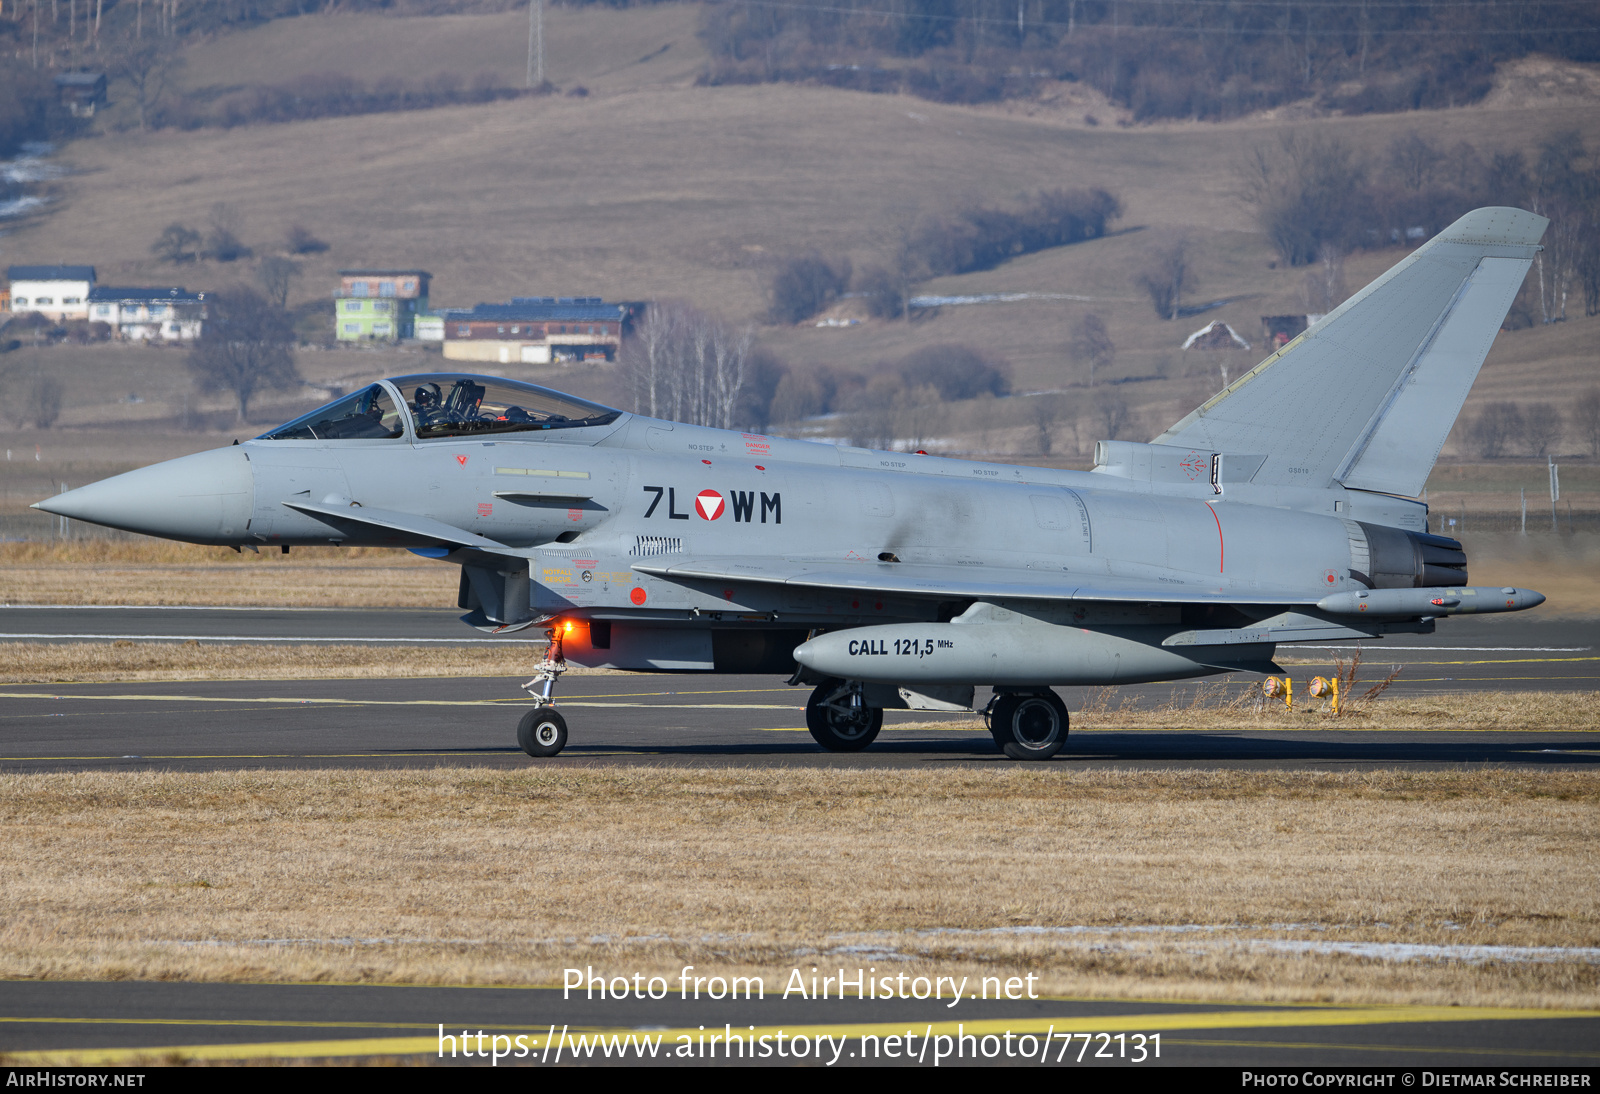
column 1497, row 226
column 1452, row 600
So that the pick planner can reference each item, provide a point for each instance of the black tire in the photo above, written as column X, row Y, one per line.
column 542, row 732
column 1030, row 726
column 839, row 732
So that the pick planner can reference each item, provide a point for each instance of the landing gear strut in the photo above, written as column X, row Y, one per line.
column 543, row 732
column 838, row 718
column 1028, row 725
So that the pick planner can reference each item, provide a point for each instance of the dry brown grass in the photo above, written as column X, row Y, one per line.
column 106, row 662
column 1565, row 568
column 476, row 876
column 147, row 571
column 1241, row 706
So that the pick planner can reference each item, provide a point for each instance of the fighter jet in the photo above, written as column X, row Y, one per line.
column 1284, row 509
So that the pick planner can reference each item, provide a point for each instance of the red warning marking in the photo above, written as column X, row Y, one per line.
column 462, row 460
column 710, row 504
column 637, row 595
column 1221, row 548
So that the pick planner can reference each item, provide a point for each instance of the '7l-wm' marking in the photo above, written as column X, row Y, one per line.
column 709, row 505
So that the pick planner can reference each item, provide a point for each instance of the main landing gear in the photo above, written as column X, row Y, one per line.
column 542, row 731
column 839, row 719
column 1028, row 725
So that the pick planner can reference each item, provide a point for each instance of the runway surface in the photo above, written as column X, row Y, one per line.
column 690, row 719
column 710, row 720
column 119, row 1023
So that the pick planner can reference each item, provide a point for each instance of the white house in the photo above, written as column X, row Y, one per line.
column 56, row 292
column 149, row 315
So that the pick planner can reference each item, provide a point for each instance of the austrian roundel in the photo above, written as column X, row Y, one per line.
column 710, row 504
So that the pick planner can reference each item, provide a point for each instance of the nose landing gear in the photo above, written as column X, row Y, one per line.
column 542, row 731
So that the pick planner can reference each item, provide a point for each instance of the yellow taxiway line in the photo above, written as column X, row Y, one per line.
column 1285, row 1018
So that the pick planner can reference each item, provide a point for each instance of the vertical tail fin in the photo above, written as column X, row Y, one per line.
column 1367, row 396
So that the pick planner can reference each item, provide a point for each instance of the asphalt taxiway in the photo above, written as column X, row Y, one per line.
column 124, row 1023
column 691, row 719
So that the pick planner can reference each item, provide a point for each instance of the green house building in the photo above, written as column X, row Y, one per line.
column 379, row 305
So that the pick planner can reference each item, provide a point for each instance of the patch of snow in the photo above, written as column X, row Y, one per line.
column 992, row 298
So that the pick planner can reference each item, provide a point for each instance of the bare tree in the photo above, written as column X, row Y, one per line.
column 919, row 413
column 177, row 244
column 1091, row 342
column 802, row 286
column 1541, row 428
column 1110, row 413
column 872, row 423
column 1563, row 191
column 1325, row 288
column 1413, row 159
column 1166, row 275
column 1494, row 429
column 1045, row 409
column 276, row 273
column 687, row 366
column 301, row 241
column 885, row 291
column 40, row 404
column 147, row 66
column 1308, row 191
column 44, row 401
column 222, row 239
column 1586, row 419
column 246, row 346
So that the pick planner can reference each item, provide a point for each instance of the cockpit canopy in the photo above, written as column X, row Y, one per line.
column 453, row 405
column 444, row 404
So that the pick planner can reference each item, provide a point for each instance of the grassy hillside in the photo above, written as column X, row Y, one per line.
column 602, row 49
column 651, row 188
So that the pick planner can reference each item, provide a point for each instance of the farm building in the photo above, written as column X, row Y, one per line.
column 1216, row 335
column 55, row 292
column 1282, row 329
column 379, row 305
column 149, row 315
column 538, row 330
column 82, row 93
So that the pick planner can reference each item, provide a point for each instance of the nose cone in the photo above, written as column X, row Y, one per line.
column 204, row 498
column 806, row 653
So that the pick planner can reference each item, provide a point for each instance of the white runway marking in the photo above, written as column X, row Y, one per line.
column 1451, row 649
column 182, row 608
